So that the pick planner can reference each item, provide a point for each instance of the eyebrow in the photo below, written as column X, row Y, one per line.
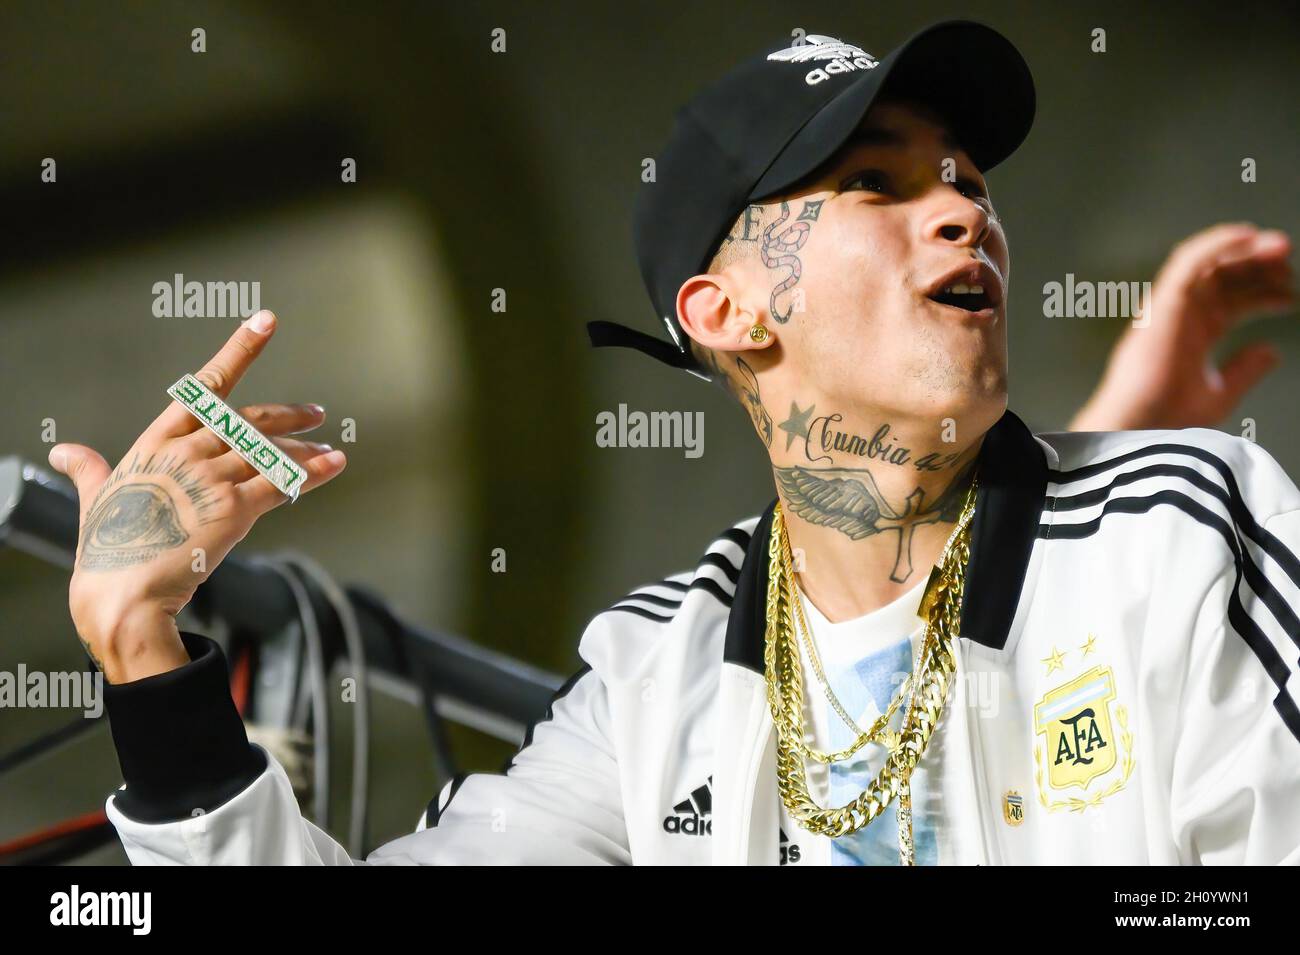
column 881, row 136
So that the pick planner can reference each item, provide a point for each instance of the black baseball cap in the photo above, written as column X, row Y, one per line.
column 777, row 117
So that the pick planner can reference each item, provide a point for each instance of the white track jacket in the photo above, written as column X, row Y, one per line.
column 1128, row 656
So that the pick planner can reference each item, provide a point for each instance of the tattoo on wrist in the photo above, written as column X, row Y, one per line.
column 99, row 664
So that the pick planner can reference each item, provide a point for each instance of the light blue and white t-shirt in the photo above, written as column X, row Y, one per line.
column 865, row 660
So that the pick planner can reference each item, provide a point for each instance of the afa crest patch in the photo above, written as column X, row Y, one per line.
column 1013, row 808
column 1081, row 743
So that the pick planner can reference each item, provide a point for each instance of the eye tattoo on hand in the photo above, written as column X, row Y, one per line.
column 130, row 526
column 133, row 522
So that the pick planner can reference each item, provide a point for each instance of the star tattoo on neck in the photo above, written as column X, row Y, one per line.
column 796, row 426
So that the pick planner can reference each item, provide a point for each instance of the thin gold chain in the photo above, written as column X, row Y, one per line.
column 941, row 608
column 880, row 728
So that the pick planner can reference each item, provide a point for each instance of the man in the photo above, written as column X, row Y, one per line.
column 1101, row 670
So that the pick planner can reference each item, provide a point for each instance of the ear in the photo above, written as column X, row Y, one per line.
column 711, row 313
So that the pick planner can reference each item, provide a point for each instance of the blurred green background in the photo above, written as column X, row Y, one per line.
column 475, row 429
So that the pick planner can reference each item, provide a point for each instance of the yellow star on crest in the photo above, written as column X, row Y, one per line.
column 1056, row 661
column 1091, row 645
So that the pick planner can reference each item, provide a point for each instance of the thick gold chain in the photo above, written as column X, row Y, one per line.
column 941, row 607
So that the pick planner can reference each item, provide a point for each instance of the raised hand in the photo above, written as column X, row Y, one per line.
column 1163, row 375
column 154, row 527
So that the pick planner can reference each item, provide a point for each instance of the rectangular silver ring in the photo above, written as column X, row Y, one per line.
column 245, row 440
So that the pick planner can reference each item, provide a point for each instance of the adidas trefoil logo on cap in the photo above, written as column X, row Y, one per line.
column 844, row 57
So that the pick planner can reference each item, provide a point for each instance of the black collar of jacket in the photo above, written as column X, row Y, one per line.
column 1013, row 483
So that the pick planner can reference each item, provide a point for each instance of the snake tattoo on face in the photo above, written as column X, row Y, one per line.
column 779, row 249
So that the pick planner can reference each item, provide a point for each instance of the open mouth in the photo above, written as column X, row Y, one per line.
column 972, row 298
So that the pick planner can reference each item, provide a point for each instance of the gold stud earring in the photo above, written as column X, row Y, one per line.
column 758, row 334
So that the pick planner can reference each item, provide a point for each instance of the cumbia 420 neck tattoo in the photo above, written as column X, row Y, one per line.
column 847, row 498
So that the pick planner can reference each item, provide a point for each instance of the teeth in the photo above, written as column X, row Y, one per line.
column 962, row 289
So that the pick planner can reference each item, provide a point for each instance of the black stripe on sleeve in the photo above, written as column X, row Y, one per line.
column 434, row 812
column 655, row 599
column 459, row 780
column 1230, row 498
column 736, row 536
column 723, row 564
column 1241, row 514
column 710, row 587
column 641, row 612
column 560, row 694
column 1249, row 630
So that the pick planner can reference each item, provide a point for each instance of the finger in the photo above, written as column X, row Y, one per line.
column 85, row 466
column 220, row 374
column 1262, row 255
column 1265, row 257
column 234, row 469
column 1270, row 246
column 1252, row 292
column 261, row 495
column 1193, row 254
column 269, row 419
column 1249, row 285
column 1244, row 370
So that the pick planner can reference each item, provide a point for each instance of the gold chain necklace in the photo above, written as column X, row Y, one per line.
column 879, row 731
column 941, row 607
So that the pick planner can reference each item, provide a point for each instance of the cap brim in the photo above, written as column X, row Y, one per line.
column 968, row 73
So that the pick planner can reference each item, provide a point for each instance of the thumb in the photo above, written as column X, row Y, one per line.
column 1244, row 370
column 85, row 466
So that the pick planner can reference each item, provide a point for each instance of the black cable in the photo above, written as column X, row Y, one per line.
column 444, row 760
column 319, row 690
column 351, row 630
column 47, row 743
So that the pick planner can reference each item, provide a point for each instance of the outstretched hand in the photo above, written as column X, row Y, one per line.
column 156, row 526
column 1162, row 374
